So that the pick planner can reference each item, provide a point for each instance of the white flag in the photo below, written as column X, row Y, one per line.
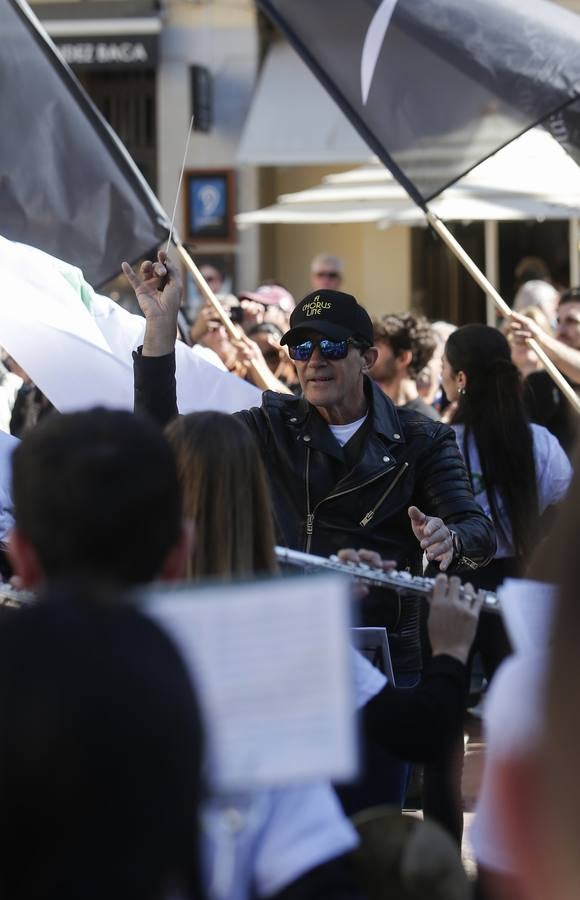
column 76, row 345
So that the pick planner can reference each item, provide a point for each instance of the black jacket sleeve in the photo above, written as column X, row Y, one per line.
column 155, row 387
column 418, row 724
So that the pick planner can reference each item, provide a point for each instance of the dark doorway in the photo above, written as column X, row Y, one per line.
column 127, row 101
column 547, row 240
column 441, row 287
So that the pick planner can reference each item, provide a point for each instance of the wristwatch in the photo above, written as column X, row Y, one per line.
column 456, row 543
column 458, row 558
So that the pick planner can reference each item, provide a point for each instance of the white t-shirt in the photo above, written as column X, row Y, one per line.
column 553, row 475
column 7, row 446
column 10, row 384
column 513, row 715
column 343, row 433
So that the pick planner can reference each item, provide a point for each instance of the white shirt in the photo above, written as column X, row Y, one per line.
column 7, row 445
column 553, row 475
column 343, row 433
column 368, row 680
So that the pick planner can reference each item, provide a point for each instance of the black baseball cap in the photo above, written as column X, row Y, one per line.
column 332, row 314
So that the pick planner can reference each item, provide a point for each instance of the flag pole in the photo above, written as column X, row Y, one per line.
column 267, row 381
column 264, row 377
column 441, row 229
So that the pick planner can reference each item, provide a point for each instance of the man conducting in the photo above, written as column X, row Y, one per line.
column 346, row 468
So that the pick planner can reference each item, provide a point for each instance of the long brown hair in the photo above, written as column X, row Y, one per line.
column 225, row 492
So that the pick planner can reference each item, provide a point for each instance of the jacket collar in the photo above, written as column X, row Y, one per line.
column 312, row 430
column 385, row 417
column 318, row 435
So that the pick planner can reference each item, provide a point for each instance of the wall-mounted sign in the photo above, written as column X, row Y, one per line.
column 210, row 205
column 201, row 98
column 128, row 51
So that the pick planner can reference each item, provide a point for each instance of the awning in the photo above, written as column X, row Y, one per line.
column 292, row 120
column 531, row 178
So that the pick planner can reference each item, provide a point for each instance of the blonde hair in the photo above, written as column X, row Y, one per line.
column 225, row 492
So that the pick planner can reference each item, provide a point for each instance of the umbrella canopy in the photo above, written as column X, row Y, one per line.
column 531, row 178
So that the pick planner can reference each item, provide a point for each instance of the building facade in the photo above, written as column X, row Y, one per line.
column 262, row 127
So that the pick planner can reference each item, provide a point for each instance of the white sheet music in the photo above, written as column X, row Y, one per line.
column 527, row 608
column 272, row 665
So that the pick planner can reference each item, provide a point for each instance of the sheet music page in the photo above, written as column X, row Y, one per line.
column 527, row 608
column 272, row 665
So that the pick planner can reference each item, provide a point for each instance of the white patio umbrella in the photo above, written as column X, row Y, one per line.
column 531, row 178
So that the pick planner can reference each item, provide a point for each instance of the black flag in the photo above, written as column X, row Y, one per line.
column 67, row 184
column 445, row 80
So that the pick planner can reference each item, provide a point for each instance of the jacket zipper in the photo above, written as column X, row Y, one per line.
column 310, row 515
column 366, row 519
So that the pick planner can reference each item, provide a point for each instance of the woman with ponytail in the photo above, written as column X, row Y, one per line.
column 517, row 469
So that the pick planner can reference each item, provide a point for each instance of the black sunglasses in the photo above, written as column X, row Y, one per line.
column 328, row 349
column 327, row 274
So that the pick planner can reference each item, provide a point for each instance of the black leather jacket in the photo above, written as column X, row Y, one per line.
column 321, row 504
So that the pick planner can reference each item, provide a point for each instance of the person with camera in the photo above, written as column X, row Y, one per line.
column 242, row 356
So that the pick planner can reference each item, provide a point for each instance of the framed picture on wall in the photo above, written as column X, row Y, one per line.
column 209, row 201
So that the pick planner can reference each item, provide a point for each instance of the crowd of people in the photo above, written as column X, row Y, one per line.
column 393, row 442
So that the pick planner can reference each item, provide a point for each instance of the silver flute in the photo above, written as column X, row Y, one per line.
column 403, row 583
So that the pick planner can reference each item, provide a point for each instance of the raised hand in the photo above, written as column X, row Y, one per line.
column 521, row 328
column 434, row 537
column 158, row 292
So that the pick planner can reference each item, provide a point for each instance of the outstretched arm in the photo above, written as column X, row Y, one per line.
column 154, row 364
column 566, row 358
column 435, row 538
column 158, row 292
column 448, row 523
